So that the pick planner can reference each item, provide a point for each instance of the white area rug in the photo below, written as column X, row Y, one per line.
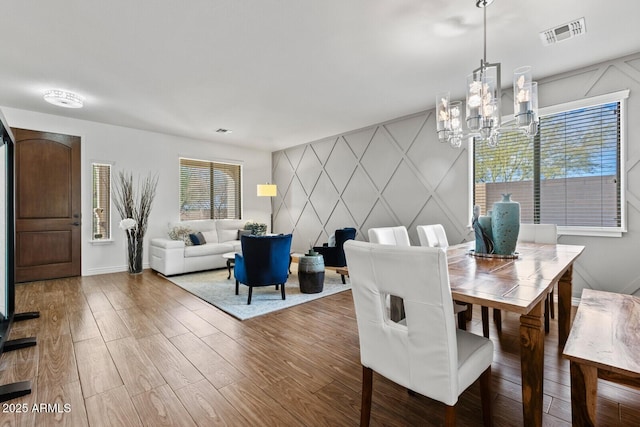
column 214, row 288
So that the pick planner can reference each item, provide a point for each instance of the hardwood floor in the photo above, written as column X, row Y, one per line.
column 137, row 350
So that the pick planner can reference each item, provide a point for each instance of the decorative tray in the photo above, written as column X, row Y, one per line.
column 495, row 256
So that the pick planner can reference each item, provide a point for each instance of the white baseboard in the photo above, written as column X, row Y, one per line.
column 107, row 270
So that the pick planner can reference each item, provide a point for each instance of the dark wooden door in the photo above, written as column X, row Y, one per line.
column 47, row 205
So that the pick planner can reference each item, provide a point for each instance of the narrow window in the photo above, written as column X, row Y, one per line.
column 101, row 193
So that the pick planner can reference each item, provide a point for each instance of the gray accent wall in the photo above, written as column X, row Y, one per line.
column 397, row 173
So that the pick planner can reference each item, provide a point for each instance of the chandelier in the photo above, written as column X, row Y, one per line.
column 483, row 106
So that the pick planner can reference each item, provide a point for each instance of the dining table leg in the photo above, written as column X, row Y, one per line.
column 564, row 306
column 532, row 364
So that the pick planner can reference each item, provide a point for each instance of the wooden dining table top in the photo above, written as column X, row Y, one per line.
column 513, row 284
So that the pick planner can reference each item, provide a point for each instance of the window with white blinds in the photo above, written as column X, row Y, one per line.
column 209, row 190
column 101, row 194
column 569, row 174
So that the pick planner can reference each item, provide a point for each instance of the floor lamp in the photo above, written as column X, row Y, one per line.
column 268, row 190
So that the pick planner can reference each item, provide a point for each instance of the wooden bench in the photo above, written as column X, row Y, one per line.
column 604, row 343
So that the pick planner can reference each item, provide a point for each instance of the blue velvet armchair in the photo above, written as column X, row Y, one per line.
column 334, row 255
column 264, row 261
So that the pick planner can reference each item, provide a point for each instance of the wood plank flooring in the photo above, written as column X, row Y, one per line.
column 121, row 350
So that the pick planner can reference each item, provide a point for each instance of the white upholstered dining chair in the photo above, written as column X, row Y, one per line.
column 538, row 233
column 424, row 352
column 541, row 233
column 397, row 236
column 434, row 236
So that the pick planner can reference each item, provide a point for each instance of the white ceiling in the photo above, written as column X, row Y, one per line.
column 282, row 72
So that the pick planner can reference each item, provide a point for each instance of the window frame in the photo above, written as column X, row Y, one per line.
column 240, row 166
column 108, row 221
column 619, row 96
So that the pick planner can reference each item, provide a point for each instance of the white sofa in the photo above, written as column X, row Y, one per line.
column 171, row 257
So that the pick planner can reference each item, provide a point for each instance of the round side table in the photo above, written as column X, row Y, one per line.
column 231, row 261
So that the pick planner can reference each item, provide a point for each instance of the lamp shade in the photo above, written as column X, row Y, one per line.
column 267, row 190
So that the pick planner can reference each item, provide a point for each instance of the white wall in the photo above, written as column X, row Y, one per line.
column 397, row 173
column 141, row 152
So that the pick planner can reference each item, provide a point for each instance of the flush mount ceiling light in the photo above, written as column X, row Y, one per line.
column 484, row 112
column 62, row 98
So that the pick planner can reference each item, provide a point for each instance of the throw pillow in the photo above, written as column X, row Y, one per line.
column 197, row 239
column 332, row 240
column 181, row 233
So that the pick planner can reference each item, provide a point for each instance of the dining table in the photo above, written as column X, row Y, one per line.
column 520, row 283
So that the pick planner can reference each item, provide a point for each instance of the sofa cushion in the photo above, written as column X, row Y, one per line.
column 208, row 249
column 210, row 236
column 228, row 229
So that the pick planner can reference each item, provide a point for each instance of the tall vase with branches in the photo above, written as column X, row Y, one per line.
column 134, row 206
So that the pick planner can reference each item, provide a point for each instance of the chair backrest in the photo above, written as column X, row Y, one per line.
column 344, row 234
column 433, row 236
column 397, row 236
column 538, row 233
column 422, row 353
column 266, row 258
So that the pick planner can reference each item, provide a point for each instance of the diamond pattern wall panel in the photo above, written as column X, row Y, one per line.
column 379, row 217
column 324, row 197
column 340, row 165
column 404, row 181
column 309, row 169
column 294, row 155
column 359, row 141
column 340, row 218
column 397, row 173
column 283, row 172
column 295, row 200
column 308, row 230
column 404, row 132
column 381, row 158
column 323, row 148
column 282, row 221
column 359, row 196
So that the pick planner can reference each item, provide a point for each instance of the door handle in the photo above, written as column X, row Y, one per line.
column 75, row 223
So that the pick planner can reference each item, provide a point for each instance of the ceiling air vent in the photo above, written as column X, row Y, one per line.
column 563, row 32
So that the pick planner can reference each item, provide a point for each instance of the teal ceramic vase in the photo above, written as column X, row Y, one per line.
column 505, row 225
